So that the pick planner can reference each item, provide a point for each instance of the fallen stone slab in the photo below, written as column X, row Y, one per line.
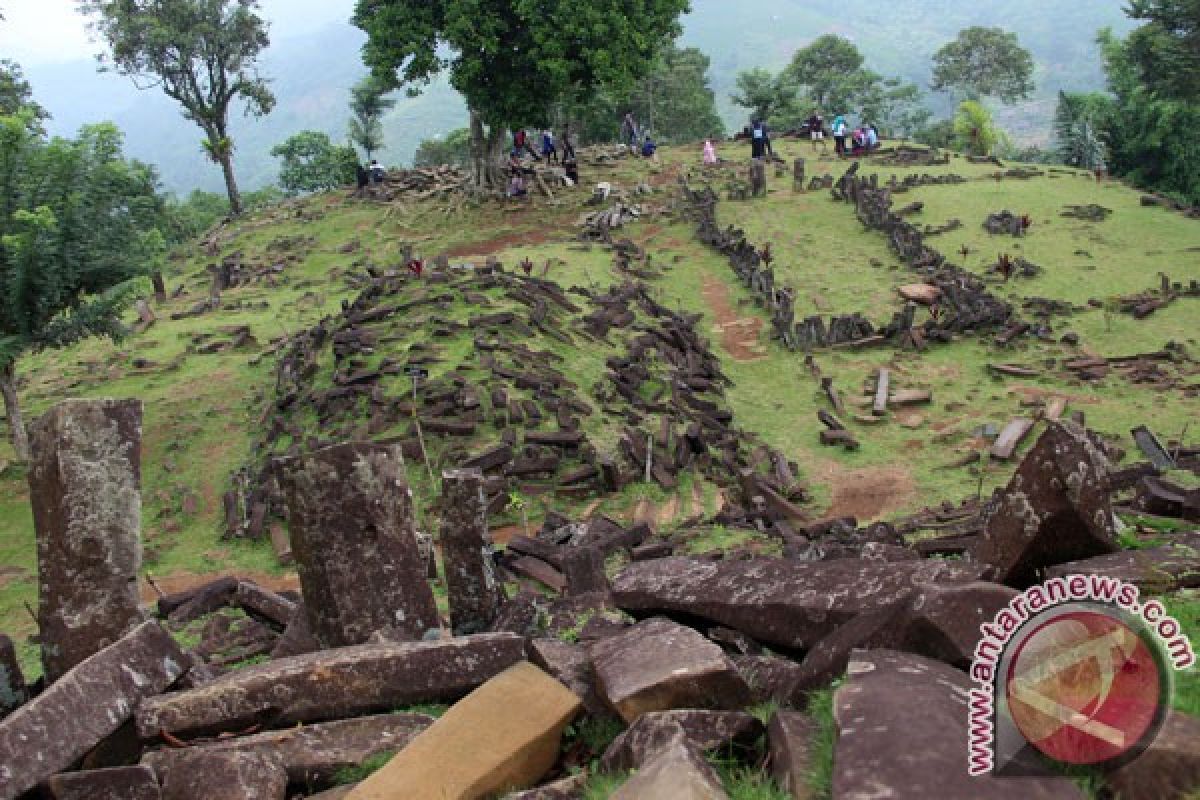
column 297, row 638
column 659, row 665
column 264, row 604
column 901, row 724
column 86, row 705
column 791, row 738
column 780, row 602
column 1155, row 570
column 1054, row 510
column 311, row 754
column 200, row 601
column 1163, row 498
column 355, row 545
column 228, row 775
column 924, row 293
column 705, row 730
column 85, row 491
column 474, row 593
column 943, row 622
column 1010, row 438
column 332, row 684
column 770, row 679
column 572, row 666
column 503, row 736
column 1169, row 769
column 677, row 771
column 117, row 783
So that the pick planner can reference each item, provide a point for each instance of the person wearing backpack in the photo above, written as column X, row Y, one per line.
column 839, row 135
column 549, row 151
column 758, row 138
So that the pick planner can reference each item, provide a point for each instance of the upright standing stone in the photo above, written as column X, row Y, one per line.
column 13, row 692
column 84, row 486
column 474, row 593
column 583, row 567
column 356, row 551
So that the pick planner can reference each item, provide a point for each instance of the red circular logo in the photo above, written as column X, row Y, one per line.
column 1084, row 688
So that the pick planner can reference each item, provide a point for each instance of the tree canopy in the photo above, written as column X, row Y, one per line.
column 77, row 223
column 766, row 96
column 1166, row 50
column 831, row 70
column 311, row 162
column 202, row 53
column 984, row 62
column 369, row 101
column 453, row 148
column 513, row 59
column 975, row 132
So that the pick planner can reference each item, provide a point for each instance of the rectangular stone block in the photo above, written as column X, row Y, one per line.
column 75, row 713
column 118, row 783
column 333, row 684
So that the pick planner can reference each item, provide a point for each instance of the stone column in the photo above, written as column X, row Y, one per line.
column 84, row 486
column 583, row 567
column 353, row 538
column 475, row 596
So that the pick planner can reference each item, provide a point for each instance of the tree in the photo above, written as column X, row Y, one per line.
column 1166, row 50
column 1146, row 132
column 975, row 132
column 453, row 148
column 78, row 223
column 897, row 108
column 766, row 95
column 202, row 53
column 1078, row 125
column 831, row 69
column 513, row 59
column 984, row 62
column 313, row 163
column 369, row 101
column 16, row 94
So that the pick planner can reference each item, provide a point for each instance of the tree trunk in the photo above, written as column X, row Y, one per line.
column 235, row 199
column 487, row 153
column 16, row 424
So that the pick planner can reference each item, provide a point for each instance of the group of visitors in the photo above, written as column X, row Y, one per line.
column 862, row 139
column 370, row 175
column 519, row 173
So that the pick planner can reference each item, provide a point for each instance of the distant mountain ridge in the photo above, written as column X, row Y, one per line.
column 312, row 74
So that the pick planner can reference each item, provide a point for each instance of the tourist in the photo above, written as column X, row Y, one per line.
column 858, row 141
column 568, row 149
column 649, row 148
column 549, row 151
column 629, row 130
column 377, row 172
column 521, row 143
column 839, row 135
column 516, row 185
column 571, row 168
column 816, row 130
column 872, row 137
column 757, row 139
column 361, row 178
column 710, row 153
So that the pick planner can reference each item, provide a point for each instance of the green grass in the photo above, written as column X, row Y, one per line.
column 596, row 733
column 349, row 775
column 820, row 712
column 601, row 785
column 1184, row 606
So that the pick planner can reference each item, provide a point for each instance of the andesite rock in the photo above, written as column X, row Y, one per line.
column 570, row 788
column 676, row 771
column 1055, row 509
column 791, row 737
column 225, row 776
column 333, row 684
column 658, row 665
column 85, row 490
column 117, row 783
column 705, row 731
column 1169, row 769
column 777, row 601
column 264, row 604
column 83, row 707
column 474, row 593
column 570, row 664
column 1158, row 570
column 902, row 730
column 310, row 754
column 355, row 545
column 505, row 735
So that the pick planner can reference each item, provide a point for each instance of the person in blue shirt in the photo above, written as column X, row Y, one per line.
column 649, row 148
column 549, row 151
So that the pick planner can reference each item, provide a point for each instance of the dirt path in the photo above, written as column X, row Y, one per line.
column 739, row 335
column 866, row 494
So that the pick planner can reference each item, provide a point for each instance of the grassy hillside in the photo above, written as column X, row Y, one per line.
column 206, row 413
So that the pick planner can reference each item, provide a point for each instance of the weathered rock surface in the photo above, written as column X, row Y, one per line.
column 676, row 771
column 769, row 678
column 355, row 546
column 776, row 601
column 311, row 754
column 75, row 713
column 118, row 783
column 85, row 490
column 790, row 739
column 943, row 622
column 504, row 735
column 264, row 604
column 1055, row 509
column 658, row 665
column 1158, row 570
column 571, row 788
column 572, row 666
column 474, row 593
column 583, row 569
column 333, row 684
column 1169, row 769
column 902, row 731
column 225, row 776
column 705, row 731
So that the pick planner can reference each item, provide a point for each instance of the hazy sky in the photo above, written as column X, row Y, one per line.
column 44, row 31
